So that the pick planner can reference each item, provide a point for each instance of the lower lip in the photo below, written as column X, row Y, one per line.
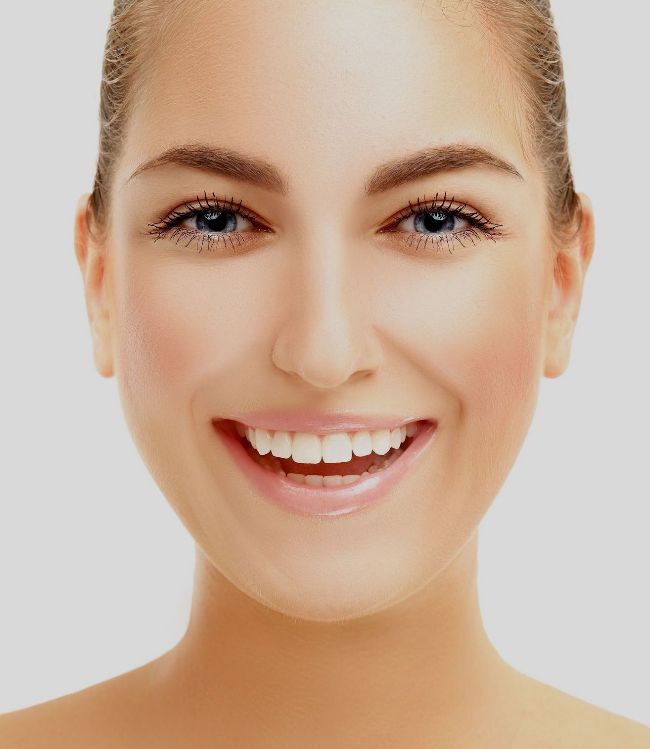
column 326, row 501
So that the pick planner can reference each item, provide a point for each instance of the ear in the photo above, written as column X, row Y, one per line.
column 570, row 267
column 91, row 259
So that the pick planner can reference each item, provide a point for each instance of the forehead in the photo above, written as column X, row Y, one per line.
column 329, row 84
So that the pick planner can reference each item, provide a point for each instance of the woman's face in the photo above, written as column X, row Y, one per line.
column 327, row 310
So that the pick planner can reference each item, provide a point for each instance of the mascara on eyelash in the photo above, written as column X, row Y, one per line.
column 478, row 223
column 422, row 205
column 169, row 226
column 216, row 205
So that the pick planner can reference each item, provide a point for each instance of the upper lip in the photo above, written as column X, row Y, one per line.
column 317, row 421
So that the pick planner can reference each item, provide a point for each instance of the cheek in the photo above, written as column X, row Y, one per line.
column 180, row 325
column 497, row 354
column 475, row 329
column 181, row 339
column 497, row 373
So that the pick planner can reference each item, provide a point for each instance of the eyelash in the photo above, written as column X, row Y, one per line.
column 478, row 224
column 170, row 225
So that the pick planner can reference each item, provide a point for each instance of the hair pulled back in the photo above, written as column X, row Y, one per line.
column 523, row 35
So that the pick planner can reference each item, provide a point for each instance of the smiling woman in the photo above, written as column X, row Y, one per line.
column 329, row 257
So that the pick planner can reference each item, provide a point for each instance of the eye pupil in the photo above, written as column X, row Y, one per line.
column 435, row 220
column 213, row 220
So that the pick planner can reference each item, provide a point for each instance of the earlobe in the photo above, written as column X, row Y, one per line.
column 569, row 269
column 91, row 260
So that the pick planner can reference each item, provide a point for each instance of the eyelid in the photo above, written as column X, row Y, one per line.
column 213, row 203
column 172, row 223
column 430, row 205
column 478, row 225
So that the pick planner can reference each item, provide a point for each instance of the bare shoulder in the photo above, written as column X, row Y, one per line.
column 556, row 719
column 96, row 716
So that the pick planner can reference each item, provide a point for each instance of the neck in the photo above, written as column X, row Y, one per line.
column 425, row 664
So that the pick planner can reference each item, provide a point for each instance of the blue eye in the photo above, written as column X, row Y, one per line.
column 436, row 223
column 216, row 221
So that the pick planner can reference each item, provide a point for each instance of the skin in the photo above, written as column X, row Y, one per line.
column 365, row 631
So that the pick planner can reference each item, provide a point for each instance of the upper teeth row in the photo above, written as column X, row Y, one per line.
column 304, row 447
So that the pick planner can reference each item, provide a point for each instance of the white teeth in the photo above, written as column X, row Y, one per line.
column 381, row 441
column 315, row 480
column 271, row 463
column 306, row 448
column 361, row 444
column 262, row 441
column 281, row 445
column 338, row 447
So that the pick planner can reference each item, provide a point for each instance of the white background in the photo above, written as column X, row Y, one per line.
column 95, row 568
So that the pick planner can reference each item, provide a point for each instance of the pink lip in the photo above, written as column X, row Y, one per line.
column 326, row 501
column 317, row 422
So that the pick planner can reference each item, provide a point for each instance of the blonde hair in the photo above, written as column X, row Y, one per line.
column 523, row 34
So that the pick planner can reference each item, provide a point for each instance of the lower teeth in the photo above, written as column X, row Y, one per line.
column 271, row 463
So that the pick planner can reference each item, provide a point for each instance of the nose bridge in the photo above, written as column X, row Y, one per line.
column 325, row 337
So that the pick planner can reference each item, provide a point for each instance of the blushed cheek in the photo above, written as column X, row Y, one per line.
column 502, row 376
column 494, row 367
column 475, row 331
column 178, row 329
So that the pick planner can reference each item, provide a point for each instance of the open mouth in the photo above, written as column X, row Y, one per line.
column 328, row 474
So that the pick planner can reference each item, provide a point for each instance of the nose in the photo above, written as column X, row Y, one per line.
column 327, row 338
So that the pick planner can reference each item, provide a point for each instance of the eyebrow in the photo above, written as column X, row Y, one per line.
column 393, row 173
column 431, row 160
column 223, row 161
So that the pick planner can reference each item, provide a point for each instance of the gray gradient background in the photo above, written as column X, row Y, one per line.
column 95, row 569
